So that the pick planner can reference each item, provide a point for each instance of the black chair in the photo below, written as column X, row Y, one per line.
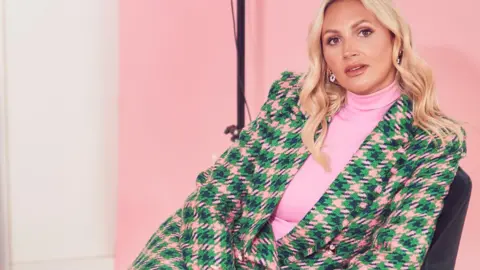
column 443, row 250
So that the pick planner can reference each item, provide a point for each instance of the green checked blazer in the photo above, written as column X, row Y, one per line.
column 379, row 213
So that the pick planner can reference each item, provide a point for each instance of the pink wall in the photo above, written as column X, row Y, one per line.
column 177, row 67
column 177, row 95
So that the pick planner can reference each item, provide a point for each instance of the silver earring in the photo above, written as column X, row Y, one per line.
column 332, row 77
column 399, row 58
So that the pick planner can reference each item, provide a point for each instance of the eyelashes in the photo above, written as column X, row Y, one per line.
column 330, row 39
column 364, row 32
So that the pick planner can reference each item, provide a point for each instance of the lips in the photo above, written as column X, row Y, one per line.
column 355, row 69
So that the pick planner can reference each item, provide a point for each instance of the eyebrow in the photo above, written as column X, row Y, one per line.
column 353, row 26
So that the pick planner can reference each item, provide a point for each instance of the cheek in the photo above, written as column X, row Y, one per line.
column 333, row 60
column 382, row 58
column 380, row 52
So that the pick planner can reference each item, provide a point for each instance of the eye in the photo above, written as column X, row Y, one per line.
column 332, row 40
column 365, row 32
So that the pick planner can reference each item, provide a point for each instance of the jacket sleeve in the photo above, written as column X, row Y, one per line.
column 403, row 240
column 211, row 211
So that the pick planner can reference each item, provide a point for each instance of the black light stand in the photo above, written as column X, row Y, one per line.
column 240, row 44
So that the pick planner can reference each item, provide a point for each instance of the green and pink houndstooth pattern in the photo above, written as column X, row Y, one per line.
column 379, row 213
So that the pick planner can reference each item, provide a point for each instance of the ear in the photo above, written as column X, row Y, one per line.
column 392, row 36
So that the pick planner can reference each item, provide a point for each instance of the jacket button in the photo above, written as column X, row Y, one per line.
column 332, row 248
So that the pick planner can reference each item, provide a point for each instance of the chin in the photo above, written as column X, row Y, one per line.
column 359, row 89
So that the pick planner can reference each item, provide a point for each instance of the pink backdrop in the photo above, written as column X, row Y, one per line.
column 177, row 93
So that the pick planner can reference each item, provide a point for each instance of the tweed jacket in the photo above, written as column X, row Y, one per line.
column 379, row 213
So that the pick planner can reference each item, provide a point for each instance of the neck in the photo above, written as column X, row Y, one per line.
column 378, row 99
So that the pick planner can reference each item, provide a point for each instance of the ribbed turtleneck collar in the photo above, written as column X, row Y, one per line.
column 379, row 99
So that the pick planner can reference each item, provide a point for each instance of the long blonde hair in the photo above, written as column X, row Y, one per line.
column 321, row 99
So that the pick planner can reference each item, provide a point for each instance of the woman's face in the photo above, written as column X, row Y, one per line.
column 357, row 47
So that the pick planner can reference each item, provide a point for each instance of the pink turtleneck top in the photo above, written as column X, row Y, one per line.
column 347, row 130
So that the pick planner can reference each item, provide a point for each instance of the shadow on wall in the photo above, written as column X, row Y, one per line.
column 456, row 78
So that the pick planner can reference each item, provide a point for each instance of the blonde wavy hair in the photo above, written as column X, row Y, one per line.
column 321, row 99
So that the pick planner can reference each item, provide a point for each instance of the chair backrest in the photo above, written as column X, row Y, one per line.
column 443, row 250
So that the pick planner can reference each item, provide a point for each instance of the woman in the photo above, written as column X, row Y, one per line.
column 345, row 167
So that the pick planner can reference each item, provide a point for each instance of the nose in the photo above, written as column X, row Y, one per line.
column 349, row 49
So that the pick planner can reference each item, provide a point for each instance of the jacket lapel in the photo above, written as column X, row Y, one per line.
column 281, row 155
column 354, row 188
